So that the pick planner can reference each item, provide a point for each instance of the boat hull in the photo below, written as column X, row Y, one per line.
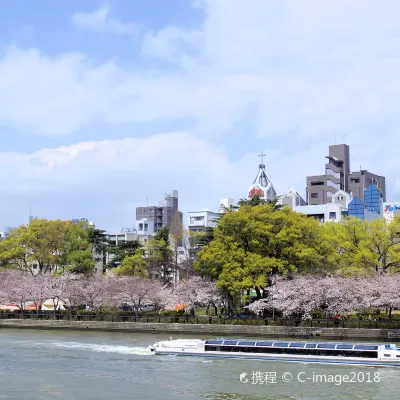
column 344, row 361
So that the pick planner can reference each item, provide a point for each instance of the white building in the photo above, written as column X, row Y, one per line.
column 6, row 233
column 292, row 199
column 323, row 212
column 391, row 209
column 333, row 211
column 200, row 220
column 225, row 204
column 145, row 226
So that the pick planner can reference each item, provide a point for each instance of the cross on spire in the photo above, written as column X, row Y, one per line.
column 262, row 155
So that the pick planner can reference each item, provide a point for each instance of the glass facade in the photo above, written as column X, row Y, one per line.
column 356, row 208
column 372, row 198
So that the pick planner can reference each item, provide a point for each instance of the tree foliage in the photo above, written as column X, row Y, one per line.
column 365, row 247
column 254, row 242
column 134, row 265
column 50, row 245
column 121, row 250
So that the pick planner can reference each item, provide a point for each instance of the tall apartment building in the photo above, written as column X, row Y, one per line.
column 164, row 214
column 321, row 188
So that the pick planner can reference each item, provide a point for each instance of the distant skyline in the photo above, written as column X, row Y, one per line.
column 103, row 104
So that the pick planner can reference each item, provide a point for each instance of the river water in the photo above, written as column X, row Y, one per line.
column 65, row 365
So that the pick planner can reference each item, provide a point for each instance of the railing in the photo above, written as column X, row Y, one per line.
column 188, row 319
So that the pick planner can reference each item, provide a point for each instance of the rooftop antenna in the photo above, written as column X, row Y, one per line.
column 344, row 138
column 147, row 200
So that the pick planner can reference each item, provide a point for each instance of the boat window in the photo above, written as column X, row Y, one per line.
column 214, row 341
column 296, row 344
column 326, row 346
column 311, row 345
column 365, row 347
column 246, row 343
column 344, row 347
column 265, row 344
column 281, row 344
column 230, row 342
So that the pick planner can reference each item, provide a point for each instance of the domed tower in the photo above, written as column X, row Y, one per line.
column 262, row 185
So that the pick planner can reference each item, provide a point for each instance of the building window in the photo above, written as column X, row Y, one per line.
column 356, row 208
column 314, row 195
column 333, row 173
column 140, row 227
column 354, row 180
column 332, row 215
column 333, row 184
column 319, row 183
column 145, row 227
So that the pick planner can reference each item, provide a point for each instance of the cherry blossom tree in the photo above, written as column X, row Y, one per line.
column 136, row 291
column 384, row 291
column 193, row 292
column 95, row 292
column 301, row 295
column 58, row 289
column 14, row 288
column 38, row 289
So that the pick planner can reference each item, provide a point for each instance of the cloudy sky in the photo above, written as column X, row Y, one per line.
column 105, row 104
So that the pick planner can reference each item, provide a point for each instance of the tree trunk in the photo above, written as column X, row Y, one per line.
column 230, row 305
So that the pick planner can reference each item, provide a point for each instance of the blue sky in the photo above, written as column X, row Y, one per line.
column 104, row 104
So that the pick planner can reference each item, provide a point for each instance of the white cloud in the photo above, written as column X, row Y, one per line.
column 107, row 180
column 312, row 69
column 100, row 21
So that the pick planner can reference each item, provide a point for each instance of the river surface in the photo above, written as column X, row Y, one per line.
column 65, row 365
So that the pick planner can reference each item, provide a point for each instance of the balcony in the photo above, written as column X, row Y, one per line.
column 197, row 223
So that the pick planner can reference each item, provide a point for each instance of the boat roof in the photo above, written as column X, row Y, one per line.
column 293, row 344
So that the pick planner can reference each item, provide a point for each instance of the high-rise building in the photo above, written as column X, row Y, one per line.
column 321, row 188
column 359, row 181
column 164, row 214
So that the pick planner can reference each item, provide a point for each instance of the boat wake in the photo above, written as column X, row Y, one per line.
column 106, row 348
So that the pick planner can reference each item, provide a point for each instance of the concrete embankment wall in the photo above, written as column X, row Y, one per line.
column 389, row 335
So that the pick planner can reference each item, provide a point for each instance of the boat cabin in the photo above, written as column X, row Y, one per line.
column 302, row 348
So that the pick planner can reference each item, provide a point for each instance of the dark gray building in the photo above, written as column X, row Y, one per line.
column 360, row 180
column 321, row 188
column 165, row 214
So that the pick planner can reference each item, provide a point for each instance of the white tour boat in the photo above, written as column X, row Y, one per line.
column 373, row 355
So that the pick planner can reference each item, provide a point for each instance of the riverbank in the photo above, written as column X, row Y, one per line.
column 386, row 335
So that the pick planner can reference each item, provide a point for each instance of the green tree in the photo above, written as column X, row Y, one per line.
column 100, row 244
column 159, row 255
column 122, row 250
column 78, row 256
column 255, row 242
column 257, row 201
column 40, row 244
column 365, row 247
column 134, row 265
